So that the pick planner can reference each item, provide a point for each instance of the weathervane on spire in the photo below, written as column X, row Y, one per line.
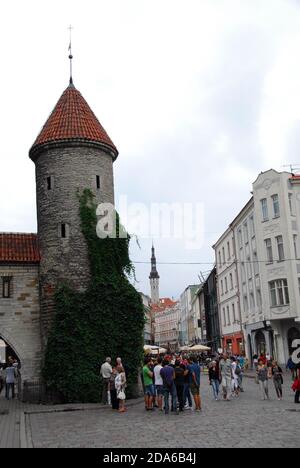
column 70, row 55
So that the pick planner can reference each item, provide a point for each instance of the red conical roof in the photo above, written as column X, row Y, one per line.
column 72, row 119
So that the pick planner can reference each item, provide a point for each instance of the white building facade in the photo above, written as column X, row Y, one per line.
column 267, row 248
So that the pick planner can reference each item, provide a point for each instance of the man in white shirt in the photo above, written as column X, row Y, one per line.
column 106, row 371
column 158, row 383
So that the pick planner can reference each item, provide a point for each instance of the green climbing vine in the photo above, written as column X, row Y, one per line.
column 105, row 320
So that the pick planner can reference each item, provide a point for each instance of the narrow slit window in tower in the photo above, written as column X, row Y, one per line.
column 98, row 182
column 49, row 183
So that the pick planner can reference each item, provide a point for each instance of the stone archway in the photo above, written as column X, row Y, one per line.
column 292, row 334
column 260, row 341
column 12, row 349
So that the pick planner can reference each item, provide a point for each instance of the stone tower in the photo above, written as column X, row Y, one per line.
column 154, row 279
column 72, row 152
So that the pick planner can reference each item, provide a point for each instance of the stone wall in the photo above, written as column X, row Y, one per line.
column 72, row 167
column 20, row 317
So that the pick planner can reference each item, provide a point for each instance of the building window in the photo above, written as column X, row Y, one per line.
column 269, row 251
column 252, row 302
column 276, row 209
column 299, row 284
column 291, row 203
column 226, row 285
column 220, row 260
column 49, row 183
column 249, row 269
column 246, row 305
column 224, row 316
column 255, row 264
column 279, row 240
column 295, row 240
column 246, row 233
column 98, row 182
column 228, row 316
column 258, row 297
column 6, row 287
column 228, row 251
column 240, row 236
column 233, row 313
column 223, row 252
column 231, row 281
column 243, row 273
column 252, row 230
column 222, row 288
column 279, row 293
column 264, row 209
column 64, row 231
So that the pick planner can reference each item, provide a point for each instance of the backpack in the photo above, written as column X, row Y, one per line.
column 238, row 370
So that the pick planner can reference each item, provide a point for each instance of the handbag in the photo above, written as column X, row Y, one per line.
column 121, row 395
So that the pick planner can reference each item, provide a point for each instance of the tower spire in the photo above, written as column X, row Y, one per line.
column 154, row 279
column 70, row 55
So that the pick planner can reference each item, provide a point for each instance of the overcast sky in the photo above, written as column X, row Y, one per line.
column 199, row 97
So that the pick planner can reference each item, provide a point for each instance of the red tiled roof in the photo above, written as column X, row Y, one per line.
column 19, row 248
column 164, row 303
column 72, row 119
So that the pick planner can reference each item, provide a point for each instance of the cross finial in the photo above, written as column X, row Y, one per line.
column 70, row 54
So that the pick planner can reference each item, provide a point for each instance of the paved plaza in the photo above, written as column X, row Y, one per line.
column 243, row 422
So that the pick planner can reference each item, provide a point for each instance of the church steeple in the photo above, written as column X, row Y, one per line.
column 154, row 279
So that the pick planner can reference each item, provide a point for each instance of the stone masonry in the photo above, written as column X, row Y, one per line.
column 20, row 317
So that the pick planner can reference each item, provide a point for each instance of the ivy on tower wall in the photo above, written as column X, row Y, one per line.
column 105, row 320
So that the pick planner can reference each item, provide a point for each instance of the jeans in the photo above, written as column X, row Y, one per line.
column 216, row 387
column 179, row 391
column 8, row 387
column 297, row 396
column 264, row 388
column 170, row 391
column 187, row 395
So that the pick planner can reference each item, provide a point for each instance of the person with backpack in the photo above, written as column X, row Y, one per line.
column 168, row 376
column 292, row 367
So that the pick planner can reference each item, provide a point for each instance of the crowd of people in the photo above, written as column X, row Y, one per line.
column 172, row 383
column 9, row 377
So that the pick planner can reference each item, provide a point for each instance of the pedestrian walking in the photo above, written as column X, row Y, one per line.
column 120, row 384
column 106, row 371
column 277, row 379
column 10, row 380
column 195, row 371
column 148, row 382
column 263, row 377
column 113, row 391
column 214, row 379
column 226, row 376
column 179, row 382
column 168, row 376
column 236, row 370
column 255, row 361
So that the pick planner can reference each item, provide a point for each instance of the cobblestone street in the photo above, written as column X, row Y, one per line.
column 244, row 422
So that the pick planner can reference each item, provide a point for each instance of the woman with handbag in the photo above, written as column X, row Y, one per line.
column 262, row 377
column 277, row 379
column 120, row 384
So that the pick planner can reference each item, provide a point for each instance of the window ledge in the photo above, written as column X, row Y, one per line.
column 280, row 305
